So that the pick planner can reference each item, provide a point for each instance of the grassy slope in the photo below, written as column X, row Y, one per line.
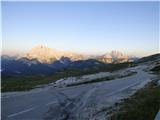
column 19, row 83
column 142, row 106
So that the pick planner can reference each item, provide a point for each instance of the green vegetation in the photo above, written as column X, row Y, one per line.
column 141, row 106
column 19, row 83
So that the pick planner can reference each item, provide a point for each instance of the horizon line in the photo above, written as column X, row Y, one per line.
column 14, row 52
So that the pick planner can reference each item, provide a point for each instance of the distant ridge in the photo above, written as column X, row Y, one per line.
column 114, row 57
column 43, row 60
column 46, row 55
column 43, row 54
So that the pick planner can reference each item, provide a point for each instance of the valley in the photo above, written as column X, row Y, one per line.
column 82, row 96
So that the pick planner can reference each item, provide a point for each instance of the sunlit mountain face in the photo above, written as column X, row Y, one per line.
column 48, row 55
column 43, row 54
column 43, row 60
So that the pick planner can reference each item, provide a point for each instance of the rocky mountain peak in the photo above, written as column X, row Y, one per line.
column 48, row 55
column 43, row 54
column 114, row 56
column 117, row 54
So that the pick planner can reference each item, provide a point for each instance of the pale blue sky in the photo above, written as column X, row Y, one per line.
column 86, row 27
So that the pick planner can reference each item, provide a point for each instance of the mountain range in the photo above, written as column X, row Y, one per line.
column 44, row 60
column 47, row 55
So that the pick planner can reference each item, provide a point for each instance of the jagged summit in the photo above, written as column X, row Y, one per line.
column 114, row 56
column 47, row 55
column 43, row 54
